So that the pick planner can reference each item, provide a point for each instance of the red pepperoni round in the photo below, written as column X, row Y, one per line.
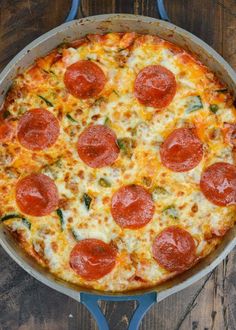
column 92, row 259
column 37, row 195
column 132, row 207
column 84, row 79
column 174, row 249
column 218, row 184
column 97, row 146
column 155, row 86
column 182, row 150
column 38, row 129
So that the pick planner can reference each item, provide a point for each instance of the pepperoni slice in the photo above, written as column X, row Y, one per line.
column 132, row 207
column 174, row 249
column 84, row 79
column 182, row 150
column 37, row 195
column 92, row 259
column 218, row 184
column 155, row 86
column 97, row 146
column 38, row 129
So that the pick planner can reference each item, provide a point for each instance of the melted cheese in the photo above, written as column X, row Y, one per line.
column 48, row 241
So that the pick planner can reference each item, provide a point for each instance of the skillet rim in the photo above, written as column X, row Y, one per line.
column 63, row 286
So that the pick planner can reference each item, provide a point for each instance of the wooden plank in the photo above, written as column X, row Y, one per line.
column 229, row 31
column 201, row 17
column 214, row 307
column 23, row 21
column 25, row 303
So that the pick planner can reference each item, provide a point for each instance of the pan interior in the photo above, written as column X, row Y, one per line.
column 117, row 23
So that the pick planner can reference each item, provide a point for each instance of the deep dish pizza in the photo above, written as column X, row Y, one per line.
column 117, row 161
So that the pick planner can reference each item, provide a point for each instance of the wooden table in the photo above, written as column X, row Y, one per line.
column 26, row 304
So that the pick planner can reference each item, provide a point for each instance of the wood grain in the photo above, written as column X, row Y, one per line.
column 26, row 304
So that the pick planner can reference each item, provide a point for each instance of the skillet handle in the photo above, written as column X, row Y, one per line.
column 73, row 10
column 145, row 301
column 76, row 3
column 162, row 11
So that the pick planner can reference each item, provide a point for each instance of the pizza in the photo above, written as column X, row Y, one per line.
column 117, row 161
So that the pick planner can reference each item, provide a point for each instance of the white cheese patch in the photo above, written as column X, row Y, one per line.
column 72, row 57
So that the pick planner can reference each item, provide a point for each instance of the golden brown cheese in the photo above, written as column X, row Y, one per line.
column 177, row 196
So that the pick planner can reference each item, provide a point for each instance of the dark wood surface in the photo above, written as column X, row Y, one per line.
column 26, row 304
